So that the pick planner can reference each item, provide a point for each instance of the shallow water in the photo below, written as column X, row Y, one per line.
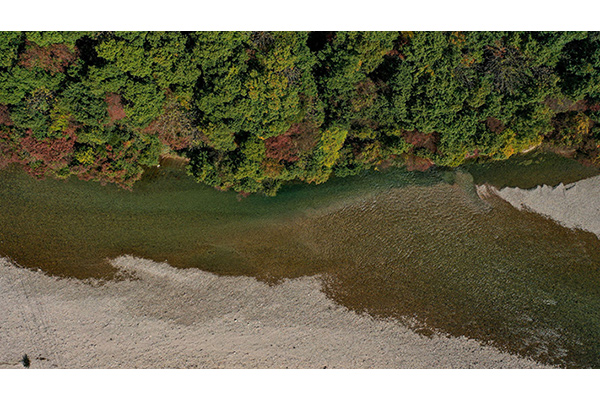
column 529, row 170
column 419, row 247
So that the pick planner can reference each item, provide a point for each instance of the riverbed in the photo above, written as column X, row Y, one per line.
column 393, row 269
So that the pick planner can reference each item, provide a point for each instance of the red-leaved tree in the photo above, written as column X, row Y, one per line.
column 5, row 116
column 54, row 58
column 421, row 140
column 173, row 127
column 114, row 107
column 300, row 138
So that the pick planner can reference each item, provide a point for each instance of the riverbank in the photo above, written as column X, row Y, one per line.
column 576, row 205
column 157, row 316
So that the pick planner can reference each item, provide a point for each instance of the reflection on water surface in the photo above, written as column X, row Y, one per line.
column 419, row 247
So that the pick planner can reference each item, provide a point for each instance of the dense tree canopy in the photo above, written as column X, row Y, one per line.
column 253, row 110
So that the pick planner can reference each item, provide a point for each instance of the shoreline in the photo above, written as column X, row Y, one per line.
column 162, row 317
column 575, row 206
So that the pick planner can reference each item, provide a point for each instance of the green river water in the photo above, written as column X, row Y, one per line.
column 419, row 247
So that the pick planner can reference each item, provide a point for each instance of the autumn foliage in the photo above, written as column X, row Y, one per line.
column 38, row 156
column 5, row 116
column 422, row 140
column 53, row 58
column 173, row 127
column 254, row 110
column 494, row 125
column 416, row 163
column 114, row 107
column 300, row 138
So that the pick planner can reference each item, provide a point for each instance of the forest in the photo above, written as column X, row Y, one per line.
column 254, row 110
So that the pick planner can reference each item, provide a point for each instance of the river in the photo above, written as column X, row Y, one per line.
column 418, row 247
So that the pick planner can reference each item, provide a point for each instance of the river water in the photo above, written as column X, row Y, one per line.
column 418, row 247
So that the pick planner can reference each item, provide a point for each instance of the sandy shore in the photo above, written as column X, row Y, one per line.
column 162, row 317
column 576, row 205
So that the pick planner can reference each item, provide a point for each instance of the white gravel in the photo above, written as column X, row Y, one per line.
column 576, row 205
column 162, row 317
